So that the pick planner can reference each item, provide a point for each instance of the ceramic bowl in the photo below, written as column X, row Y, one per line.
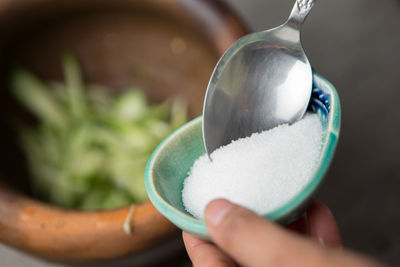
column 166, row 48
column 171, row 161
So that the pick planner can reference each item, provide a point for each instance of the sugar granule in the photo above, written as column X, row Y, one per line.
column 261, row 172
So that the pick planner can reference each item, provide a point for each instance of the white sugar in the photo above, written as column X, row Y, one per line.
column 261, row 172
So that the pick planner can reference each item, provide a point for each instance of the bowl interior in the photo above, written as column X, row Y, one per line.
column 171, row 161
column 149, row 44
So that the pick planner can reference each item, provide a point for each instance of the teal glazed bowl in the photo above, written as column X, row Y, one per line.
column 171, row 161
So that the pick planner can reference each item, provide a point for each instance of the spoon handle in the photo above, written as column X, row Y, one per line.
column 299, row 13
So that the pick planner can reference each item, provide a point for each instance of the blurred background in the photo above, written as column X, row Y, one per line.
column 355, row 45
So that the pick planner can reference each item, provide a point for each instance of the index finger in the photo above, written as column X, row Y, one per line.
column 322, row 225
column 203, row 253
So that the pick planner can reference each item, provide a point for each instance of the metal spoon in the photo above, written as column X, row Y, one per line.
column 262, row 80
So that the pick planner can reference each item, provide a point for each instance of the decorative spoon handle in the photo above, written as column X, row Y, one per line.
column 305, row 4
column 299, row 13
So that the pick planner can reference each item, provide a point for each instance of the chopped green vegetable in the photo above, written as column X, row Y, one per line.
column 37, row 97
column 74, row 83
column 90, row 147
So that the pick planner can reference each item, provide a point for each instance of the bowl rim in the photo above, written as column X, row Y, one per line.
column 195, row 226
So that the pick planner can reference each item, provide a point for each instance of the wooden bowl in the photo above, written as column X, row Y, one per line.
column 165, row 47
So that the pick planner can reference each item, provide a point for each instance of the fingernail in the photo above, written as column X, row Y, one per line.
column 321, row 241
column 216, row 211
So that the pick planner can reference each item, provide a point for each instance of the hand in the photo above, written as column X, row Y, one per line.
column 243, row 238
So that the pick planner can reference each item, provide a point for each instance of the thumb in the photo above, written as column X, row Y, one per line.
column 253, row 241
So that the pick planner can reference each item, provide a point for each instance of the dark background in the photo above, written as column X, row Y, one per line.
column 355, row 45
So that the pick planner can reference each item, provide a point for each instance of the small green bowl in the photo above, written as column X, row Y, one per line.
column 171, row 161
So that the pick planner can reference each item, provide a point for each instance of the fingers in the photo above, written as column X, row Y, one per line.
column 300, row 225
column 253, row 241
column 203, row 253
column 322, row 225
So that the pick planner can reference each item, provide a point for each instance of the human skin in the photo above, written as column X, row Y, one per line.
column 242, row 238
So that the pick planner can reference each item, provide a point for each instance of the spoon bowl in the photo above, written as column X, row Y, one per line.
column 263, row 80
column 171, row 161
